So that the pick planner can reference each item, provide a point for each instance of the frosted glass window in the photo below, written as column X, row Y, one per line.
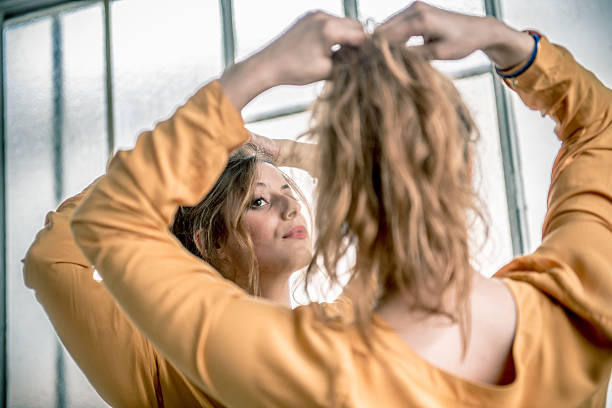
column 477, row 92
column 286, row 127
column 379, row 11
column 163, row 51
column 29, row 194
column 254, row 29
column 258, row 22
column 31, row 184
column 84, row 132
column 84, row 138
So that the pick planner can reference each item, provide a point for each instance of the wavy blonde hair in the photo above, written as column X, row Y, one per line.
column 395, row 183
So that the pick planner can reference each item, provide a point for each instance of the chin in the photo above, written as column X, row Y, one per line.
column 303, row 258
column 300, row 258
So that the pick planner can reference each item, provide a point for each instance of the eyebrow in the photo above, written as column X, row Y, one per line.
column 284, row 187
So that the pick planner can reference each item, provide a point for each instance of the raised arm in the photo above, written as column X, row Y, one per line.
column 117, row 359
column 242, row 350
column 576, row 250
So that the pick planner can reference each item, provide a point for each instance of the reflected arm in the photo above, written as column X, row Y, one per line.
column 117, row 359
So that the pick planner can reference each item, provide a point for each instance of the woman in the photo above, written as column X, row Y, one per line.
column 538, row 335
column 118, row 360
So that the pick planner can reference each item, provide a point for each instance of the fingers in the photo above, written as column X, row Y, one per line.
column 337, row 30
column 412, row 21
column 302, row 54
column 344, row 31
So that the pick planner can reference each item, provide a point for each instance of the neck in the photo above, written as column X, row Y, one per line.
column 275, row 288
column 396, row 307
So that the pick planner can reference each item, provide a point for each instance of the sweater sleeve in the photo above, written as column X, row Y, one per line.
column 117, row 359
column 573, row 265
column 242, row 350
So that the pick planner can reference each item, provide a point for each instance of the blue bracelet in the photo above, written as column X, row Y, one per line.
column 536, row 37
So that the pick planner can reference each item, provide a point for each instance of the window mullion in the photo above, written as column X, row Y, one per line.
column 515, row 196
column 3, row 324
column 58, row 124
column 351, row 9
column 227, row 27
column 108, row 63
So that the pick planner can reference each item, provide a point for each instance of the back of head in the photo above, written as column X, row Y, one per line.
column 394, row 140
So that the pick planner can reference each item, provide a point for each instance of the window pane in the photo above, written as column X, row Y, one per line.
column 163, row 51
column 84, row 87
column 84, row 136
column 254, row 29
column 258, row 22
column 29, row 194
column 477, row 92
column 379, row 11
column 31, row 161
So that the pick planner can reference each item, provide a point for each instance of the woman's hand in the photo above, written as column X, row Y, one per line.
column 287, row 152
column 448, row 35
column 301, row 55
column 266, row 144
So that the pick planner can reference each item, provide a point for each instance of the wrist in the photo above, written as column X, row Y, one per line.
column 507, row 47
column 286, row 152
column 246, row 79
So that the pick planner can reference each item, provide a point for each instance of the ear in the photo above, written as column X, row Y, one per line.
column 221, row 252
column 197, row 241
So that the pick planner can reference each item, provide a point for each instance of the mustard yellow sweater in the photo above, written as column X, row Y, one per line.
column 247, row 352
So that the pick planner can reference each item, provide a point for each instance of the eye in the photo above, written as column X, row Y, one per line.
column 259, row 202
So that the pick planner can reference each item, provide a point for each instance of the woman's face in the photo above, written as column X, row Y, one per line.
column 276, row 225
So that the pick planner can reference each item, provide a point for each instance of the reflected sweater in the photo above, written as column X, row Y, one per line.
column 248, row 352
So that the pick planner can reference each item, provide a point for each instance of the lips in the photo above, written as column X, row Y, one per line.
column 297, row 232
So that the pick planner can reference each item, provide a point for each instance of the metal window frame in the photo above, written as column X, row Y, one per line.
column 19, row 11
column 58, row 172
column 228, row 31
column 508, row 140
column 108, row 64
column 16, row 11
column 351, row 9
column 3, row 315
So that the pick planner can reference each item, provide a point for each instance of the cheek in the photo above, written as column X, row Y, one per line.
column 260, row 227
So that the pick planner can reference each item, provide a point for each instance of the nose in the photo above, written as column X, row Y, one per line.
column 292, row 207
